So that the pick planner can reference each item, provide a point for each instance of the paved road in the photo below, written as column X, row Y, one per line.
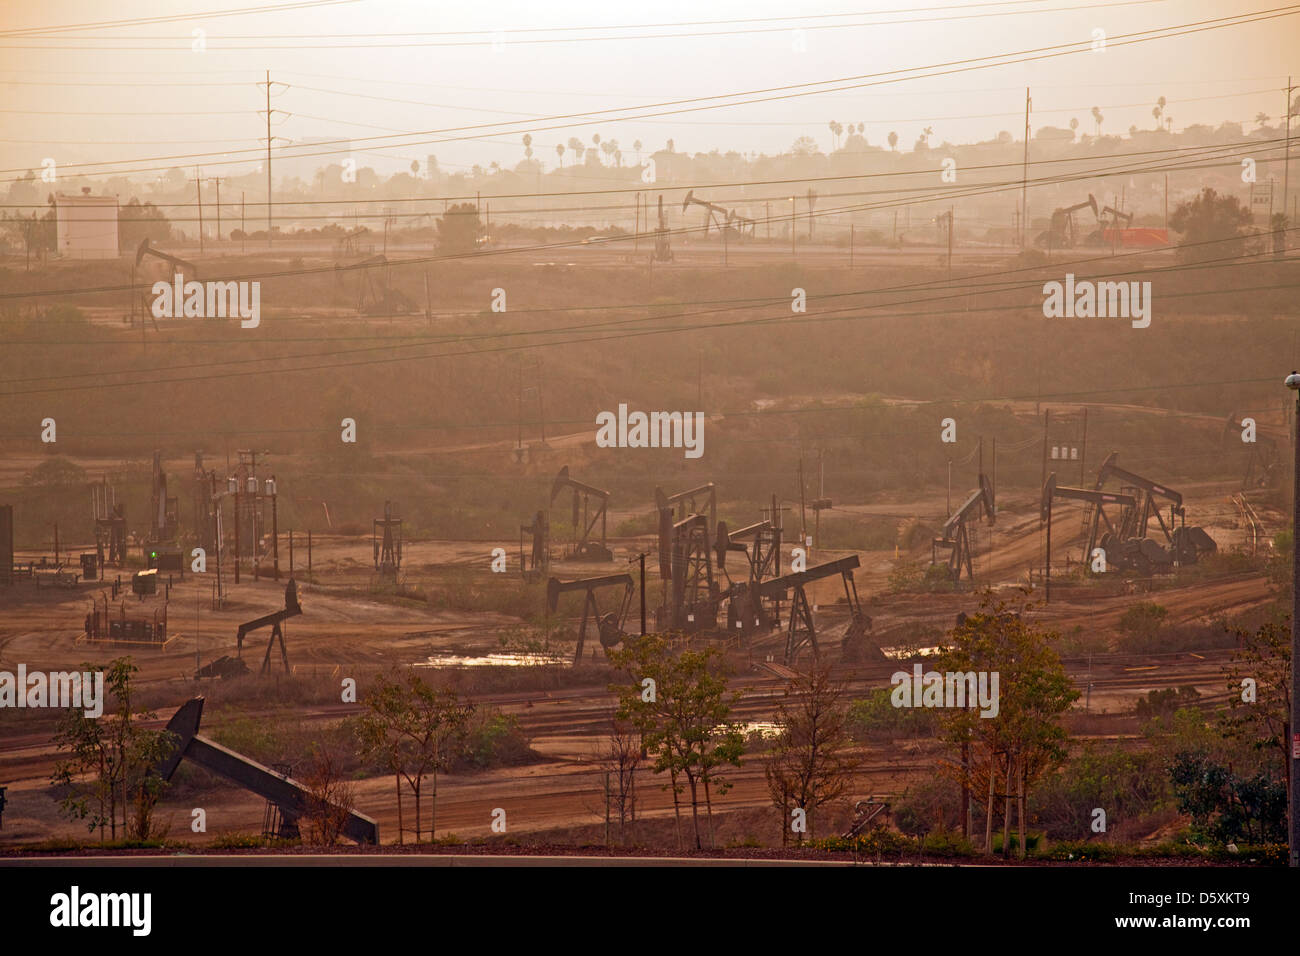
column 404, row 860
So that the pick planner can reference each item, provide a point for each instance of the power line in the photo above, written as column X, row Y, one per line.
column 790, row 91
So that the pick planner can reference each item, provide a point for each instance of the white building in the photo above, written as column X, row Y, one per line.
column 86, row 226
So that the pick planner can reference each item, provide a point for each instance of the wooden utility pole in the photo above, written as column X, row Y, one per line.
column 217, row 180
column 198, row 185
column 268, row 159
column 1024, row 178
column 1286, row 162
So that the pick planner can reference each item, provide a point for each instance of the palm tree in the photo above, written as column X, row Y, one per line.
column 415, row 167
column 1074, row 123
column 636, row 144
column 559, row 151
column 1261, row 119
column 1098, row 119
column 528, row 145
column 893, row 141
column 576, row 147
column 670, row 146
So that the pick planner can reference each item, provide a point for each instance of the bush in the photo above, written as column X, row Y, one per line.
column 495, row 740
column 875, row 716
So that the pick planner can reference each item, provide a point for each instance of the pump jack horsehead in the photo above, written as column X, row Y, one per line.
column 584, row 520
column 609, row 626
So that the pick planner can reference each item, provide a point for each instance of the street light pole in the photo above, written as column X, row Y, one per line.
column 1293, row 822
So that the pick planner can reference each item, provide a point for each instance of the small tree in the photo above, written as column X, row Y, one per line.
column 619, row 760
column 1025, row 738
column 811, row 764
column 411, row 729
column 685, row 722
column 118, row 756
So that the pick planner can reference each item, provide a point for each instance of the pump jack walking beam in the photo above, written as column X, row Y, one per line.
column 608, row 626
column 291, row 609
column 956, row 535
column 288, row 794
column 801, row 629
column 582, row 526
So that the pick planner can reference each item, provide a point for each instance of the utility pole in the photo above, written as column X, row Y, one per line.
column 198, row 185
column 217, row 180
column 1286, row 162
column 268, row 161
column 269, row 140
column 793, row 214
column 1024, row 178
column 243, row 230
column 1293, row 383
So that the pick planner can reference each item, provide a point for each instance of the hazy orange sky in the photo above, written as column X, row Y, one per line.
column 138, row 91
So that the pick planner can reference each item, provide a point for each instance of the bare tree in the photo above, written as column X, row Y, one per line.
column 330, row 800
column 619, row 761
column 812, row 763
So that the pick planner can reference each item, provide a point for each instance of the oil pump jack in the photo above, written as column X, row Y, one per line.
column 956, row 533
column 694, row 501
column 746, row 609
column 182, row 266
column 609, row 626
column 375, row 296
column 1096, row 515
column 274, row 620
column 584, row 522
column 1062, row 233
column 731, row 220
column 290, row 798
column 1130, row 548
column 802, row 629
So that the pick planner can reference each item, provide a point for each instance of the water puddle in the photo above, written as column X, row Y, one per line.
column 496, row 659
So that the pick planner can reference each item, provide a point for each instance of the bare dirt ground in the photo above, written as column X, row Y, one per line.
column 346, row 625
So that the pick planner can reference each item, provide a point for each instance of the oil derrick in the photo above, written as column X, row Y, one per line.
column 747, row 611
column 386, row 536
column 1263, row 462
column 110, row 524
column 584, row 517
column 957, row 529
column 161, row 550
column 663, row 248
column 1131, row 547
column 692, row 595
column 201, row 501
column 539, row 561
column 609, row 626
